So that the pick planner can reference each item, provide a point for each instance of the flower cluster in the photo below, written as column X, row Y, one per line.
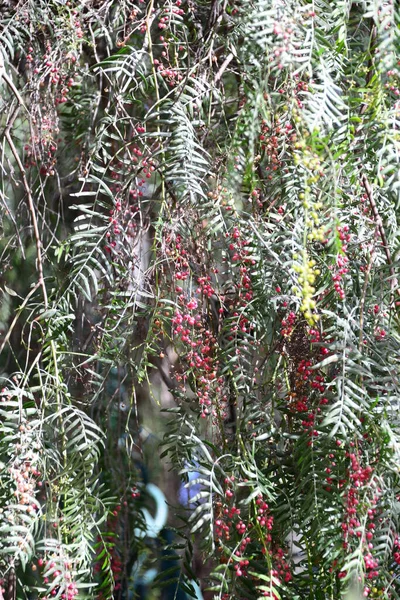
column 307, row 274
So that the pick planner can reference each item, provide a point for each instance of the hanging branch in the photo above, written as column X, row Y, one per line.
column 365, row 182
column 378, row 220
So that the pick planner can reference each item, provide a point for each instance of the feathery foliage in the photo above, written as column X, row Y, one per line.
column 200, row 238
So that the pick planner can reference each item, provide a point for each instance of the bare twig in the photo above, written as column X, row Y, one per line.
column 363, row 296
column 10, row 83
column 10, row 329
column 12, row 219
column 223, row 67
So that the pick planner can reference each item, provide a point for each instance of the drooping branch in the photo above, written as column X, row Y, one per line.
column 381, row 230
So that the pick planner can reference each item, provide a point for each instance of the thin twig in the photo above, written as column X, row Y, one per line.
column 10, row 83
column 13, row 221
column 20, row 309
column 363, row 296
column 223, row 67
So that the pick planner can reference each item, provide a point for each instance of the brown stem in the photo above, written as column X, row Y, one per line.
column 363, row 296
column 223, row 67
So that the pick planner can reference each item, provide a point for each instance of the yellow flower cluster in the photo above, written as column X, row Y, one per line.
column 316, row 231
column 308, row 273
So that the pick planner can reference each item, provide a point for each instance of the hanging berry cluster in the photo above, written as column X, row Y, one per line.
column 361, row 513
column 341, row 267
column 250, row 532
column 195, row 330
column 58, row 574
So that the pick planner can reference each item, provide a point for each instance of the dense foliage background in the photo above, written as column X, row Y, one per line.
column 200, row 300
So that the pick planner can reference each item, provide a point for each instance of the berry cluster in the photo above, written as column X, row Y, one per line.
column 272, row 138
column 125, row 213
column 252, row 536
column 58, row 575
column 240, row 260
column 358, row 526
column 201, row 351
column 192, row 332
column 341, row 260
column 288, row 323
column 307, row 396
column 22, row 477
